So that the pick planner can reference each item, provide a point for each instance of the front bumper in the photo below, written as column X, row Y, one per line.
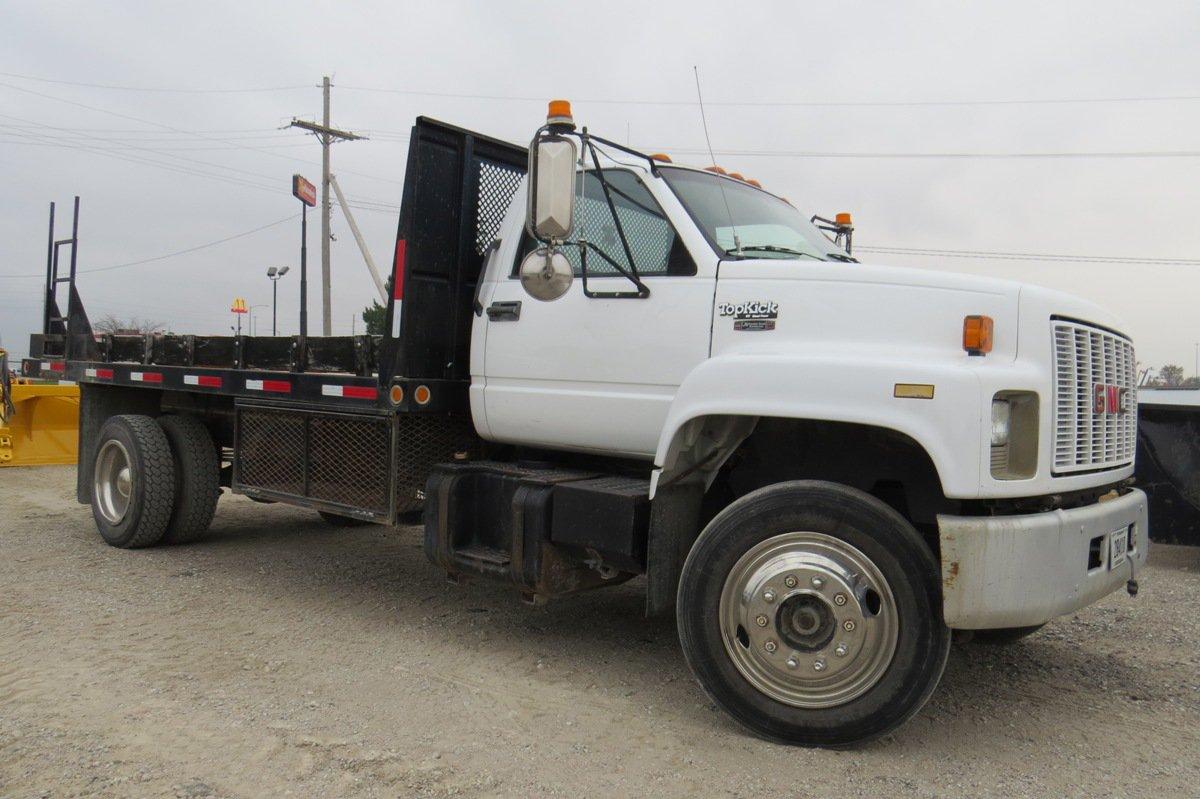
column 1019, row 571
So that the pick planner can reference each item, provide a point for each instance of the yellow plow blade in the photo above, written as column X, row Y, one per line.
column 43, row 428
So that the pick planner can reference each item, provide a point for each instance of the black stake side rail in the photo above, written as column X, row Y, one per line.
column 332, row 390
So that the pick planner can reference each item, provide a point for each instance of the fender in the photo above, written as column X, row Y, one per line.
column 853, row 384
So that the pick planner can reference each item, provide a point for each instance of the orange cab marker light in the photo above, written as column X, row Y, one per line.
column 977, row 335
column 754, row 183
column 422, row 395
column 663, row 157
column 716, row 169
column 737, row 176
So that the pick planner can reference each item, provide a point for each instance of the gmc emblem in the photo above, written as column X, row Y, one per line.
column 1109, row 399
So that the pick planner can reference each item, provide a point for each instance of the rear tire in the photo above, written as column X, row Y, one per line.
column 197, row 478
column 811, row 613
column 1004, row 635
column 133, row 482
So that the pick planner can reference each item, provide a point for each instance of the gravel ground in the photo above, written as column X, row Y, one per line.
column 284, row 657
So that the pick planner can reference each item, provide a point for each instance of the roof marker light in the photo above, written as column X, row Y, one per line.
column 559, row 113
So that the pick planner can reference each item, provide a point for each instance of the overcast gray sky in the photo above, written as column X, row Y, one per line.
column 161, row 171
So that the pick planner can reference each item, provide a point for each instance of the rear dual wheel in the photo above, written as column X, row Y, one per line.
column 154, row 480
column 811, row 613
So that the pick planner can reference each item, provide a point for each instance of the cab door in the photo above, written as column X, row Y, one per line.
column 595, row 374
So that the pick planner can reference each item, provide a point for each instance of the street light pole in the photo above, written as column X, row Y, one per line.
column 274, row 274
column 253, row 326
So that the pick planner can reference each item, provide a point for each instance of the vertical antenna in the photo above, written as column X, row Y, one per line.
column 737, row 243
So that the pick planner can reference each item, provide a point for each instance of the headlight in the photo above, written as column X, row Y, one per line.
column 1001, row 413
column 1014, row 435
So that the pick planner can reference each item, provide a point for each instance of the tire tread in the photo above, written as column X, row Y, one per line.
column 197, row 478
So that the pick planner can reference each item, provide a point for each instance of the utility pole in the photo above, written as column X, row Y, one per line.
column 327, row 135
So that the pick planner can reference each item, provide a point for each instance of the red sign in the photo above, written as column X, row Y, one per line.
column 304, row 191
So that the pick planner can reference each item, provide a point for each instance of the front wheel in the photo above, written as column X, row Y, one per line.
column 811, row 612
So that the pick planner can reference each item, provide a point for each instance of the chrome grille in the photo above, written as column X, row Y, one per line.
column 1087, row 360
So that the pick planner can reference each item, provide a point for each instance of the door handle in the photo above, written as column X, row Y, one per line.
column 509, row 311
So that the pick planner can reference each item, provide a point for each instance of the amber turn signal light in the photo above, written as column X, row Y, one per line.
column 559, row 113
column 977, row 335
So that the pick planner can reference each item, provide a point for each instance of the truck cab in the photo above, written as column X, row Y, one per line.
column 601, row 365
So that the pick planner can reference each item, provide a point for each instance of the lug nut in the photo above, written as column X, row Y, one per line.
column 770, row 646
column 769, row 595
column 818, row 665
column 848, row 625
column 818, row 583
column 761, row 621
column 792, row 663
column 839, row 599
column 789, row 581
column 841, row 650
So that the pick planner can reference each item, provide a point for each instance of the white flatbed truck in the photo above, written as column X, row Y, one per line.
column 623, row 367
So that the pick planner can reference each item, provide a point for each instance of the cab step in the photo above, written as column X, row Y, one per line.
column 550, row 531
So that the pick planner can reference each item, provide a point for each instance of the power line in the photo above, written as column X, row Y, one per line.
column 155, row 89
column 155, row 258
column 177, row 130
column 631, row 101
column 1028, row 256
column 73, row 144
column 951, row 155
column 792, row 103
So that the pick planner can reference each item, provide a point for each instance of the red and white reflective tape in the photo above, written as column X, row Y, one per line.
column 350, row 392
column 101, row 374
column 146, row 377
column 204, row 381
column 277, row 386
column 53, row 366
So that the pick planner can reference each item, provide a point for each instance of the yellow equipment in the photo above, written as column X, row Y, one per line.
column 39, row 422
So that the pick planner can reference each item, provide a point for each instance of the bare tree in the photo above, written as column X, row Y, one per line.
column 131, row 326
column 1171, row 375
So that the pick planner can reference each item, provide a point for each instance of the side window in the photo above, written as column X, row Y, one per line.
column 656, row 248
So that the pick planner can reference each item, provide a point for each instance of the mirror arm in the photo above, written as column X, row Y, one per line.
column 643, row 291
column 632, row 274
column 653, row 164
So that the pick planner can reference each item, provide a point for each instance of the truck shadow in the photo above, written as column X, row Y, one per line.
column 379, row 578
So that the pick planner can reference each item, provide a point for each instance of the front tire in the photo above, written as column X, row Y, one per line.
column 811, row 613
column 133, row 482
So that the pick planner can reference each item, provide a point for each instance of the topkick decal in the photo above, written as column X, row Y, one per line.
column 752, row 315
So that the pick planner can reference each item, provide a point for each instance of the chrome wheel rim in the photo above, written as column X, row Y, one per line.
column 808, row 620
column 112, row 481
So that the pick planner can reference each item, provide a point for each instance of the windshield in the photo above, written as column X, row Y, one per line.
column 766, row 226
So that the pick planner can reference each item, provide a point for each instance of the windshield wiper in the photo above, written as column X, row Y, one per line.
column 837, row 256
column 771, row 248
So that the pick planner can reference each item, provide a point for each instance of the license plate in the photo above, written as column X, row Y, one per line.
column 1118, row 548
